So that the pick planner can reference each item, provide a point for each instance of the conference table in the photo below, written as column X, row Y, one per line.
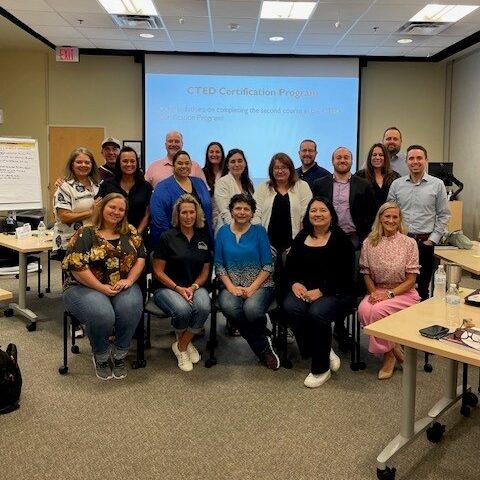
column 469, row 260
column 403, row 328
column 24, row 246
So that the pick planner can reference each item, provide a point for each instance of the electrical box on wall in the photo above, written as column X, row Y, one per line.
column 1, row 116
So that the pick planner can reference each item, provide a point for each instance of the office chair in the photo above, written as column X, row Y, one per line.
column 69, row 318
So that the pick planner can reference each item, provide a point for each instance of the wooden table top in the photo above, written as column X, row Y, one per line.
column 28, row 244
column 403, row 328
column 468, row 259
column 5, row 294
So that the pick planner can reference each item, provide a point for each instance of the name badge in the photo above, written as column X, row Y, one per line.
column 202, row 246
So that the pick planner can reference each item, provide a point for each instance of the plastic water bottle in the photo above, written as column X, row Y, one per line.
column 41, row 229
column 453, row 306
column 440, row 283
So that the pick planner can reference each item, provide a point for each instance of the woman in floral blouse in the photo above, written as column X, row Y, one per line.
column 102, row 264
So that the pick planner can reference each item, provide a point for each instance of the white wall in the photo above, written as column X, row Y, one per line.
column 464, row 129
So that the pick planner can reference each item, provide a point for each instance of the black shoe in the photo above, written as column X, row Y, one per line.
column 270, row 357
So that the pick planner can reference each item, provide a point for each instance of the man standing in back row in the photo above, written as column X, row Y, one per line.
column 309, row 171
column 424, row 204
column 352, row 197
column 161, row 169
column 392, row 139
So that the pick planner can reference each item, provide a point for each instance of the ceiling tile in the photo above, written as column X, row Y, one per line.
column 351, row 50
column 390, row 12
column 81, row 6
column 189, row 36
column 193, row 47
column 89, row 20
column 375, row 28
column 245, row 24
column 423, row 52
column 274, row 26
column 328, row 27
column 312, row 39
column 71, row 42
column 152, row 46
column 363, row 40
column 105, row 33
column 134, row 35
column 113, row 44
column 341, row 12
column 192, row 24
column 441, row 41
column 312, row 50
column 58, row 31
column 33, row 18
column 389, row 51
column 234, row 37
column 232, row 48
column 36, row 5
column 189, row 8
column 236, row 9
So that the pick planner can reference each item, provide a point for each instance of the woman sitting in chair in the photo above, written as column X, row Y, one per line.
column 102, row 264
column 389, row 263
column 243, row 263
column 181, row 264
column 320, row 270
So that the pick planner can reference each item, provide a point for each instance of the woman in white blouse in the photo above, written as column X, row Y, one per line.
column 281, row 205
column 235, row 179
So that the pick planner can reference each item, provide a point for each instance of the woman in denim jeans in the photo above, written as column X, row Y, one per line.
column 243, row 262
column 102, row 264
column 181, row 264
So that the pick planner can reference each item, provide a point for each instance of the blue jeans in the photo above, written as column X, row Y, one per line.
column 248, row 316
column 101, row 315
column 311, row 323
column 185, row 316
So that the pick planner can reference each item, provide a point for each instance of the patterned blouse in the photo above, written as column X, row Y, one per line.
column 390, row 261
column 72, row 196
column 242, row 261
column 109, row 261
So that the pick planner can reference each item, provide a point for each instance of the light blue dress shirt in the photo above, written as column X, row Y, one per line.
column 424, row 205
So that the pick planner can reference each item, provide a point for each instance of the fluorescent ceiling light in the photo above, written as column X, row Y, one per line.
column 129, row 7
column 147, row 35
column 443, row 13
column 276, row 39
column 287, row 10
column 404, row 40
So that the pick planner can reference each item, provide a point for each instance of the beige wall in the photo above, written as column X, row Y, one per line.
column 106, row 91
column 408, row 95
column 36, row 91
column 464, row 128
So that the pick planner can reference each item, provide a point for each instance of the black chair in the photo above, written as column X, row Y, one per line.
column 70, row 319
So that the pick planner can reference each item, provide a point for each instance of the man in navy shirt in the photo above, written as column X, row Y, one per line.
column 310, row 170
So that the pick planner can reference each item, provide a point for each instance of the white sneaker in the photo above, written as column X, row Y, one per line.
column 184, row 362
column 334, row 361
column 193, row 353
column 314, row 381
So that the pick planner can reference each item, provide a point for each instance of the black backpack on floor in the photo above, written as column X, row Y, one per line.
column 10, row 380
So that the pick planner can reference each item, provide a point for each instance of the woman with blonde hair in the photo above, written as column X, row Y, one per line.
column 181, row 267
column 389, row 263
column 102, row 264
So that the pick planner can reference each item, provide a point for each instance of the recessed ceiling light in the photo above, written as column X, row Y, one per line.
column 443, row 13
column 405, row 40
column 276, row 39
column 129, row 7
column 287, row 10
column 147, row 35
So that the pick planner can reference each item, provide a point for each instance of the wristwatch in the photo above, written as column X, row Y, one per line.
column 390, row 293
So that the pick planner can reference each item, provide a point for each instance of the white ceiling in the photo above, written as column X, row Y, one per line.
column 366, row 27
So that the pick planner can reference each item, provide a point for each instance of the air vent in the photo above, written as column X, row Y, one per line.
column 424, row 28
column 140, row 22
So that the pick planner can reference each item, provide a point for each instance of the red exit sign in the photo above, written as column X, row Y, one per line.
column 67, row 54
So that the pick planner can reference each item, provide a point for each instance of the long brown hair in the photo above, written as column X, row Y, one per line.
column 387, row 172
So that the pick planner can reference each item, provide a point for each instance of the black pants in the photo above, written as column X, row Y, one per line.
column 426, row 259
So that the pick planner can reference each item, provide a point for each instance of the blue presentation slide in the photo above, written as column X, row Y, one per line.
column 261, row 115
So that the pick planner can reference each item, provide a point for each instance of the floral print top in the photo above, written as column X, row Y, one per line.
column 109, row 261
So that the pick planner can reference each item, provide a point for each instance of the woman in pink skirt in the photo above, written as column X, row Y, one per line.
column 389, row 263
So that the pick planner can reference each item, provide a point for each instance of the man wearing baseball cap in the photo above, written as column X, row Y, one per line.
column 110, row 149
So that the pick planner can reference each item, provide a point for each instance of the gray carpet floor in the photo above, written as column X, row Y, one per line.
column 235, row 421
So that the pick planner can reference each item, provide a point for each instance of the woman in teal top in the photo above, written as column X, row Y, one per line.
column 243, row 263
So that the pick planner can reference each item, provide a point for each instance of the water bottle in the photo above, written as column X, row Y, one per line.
column 41, row 230
column 440, row 283
column 453, row 306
